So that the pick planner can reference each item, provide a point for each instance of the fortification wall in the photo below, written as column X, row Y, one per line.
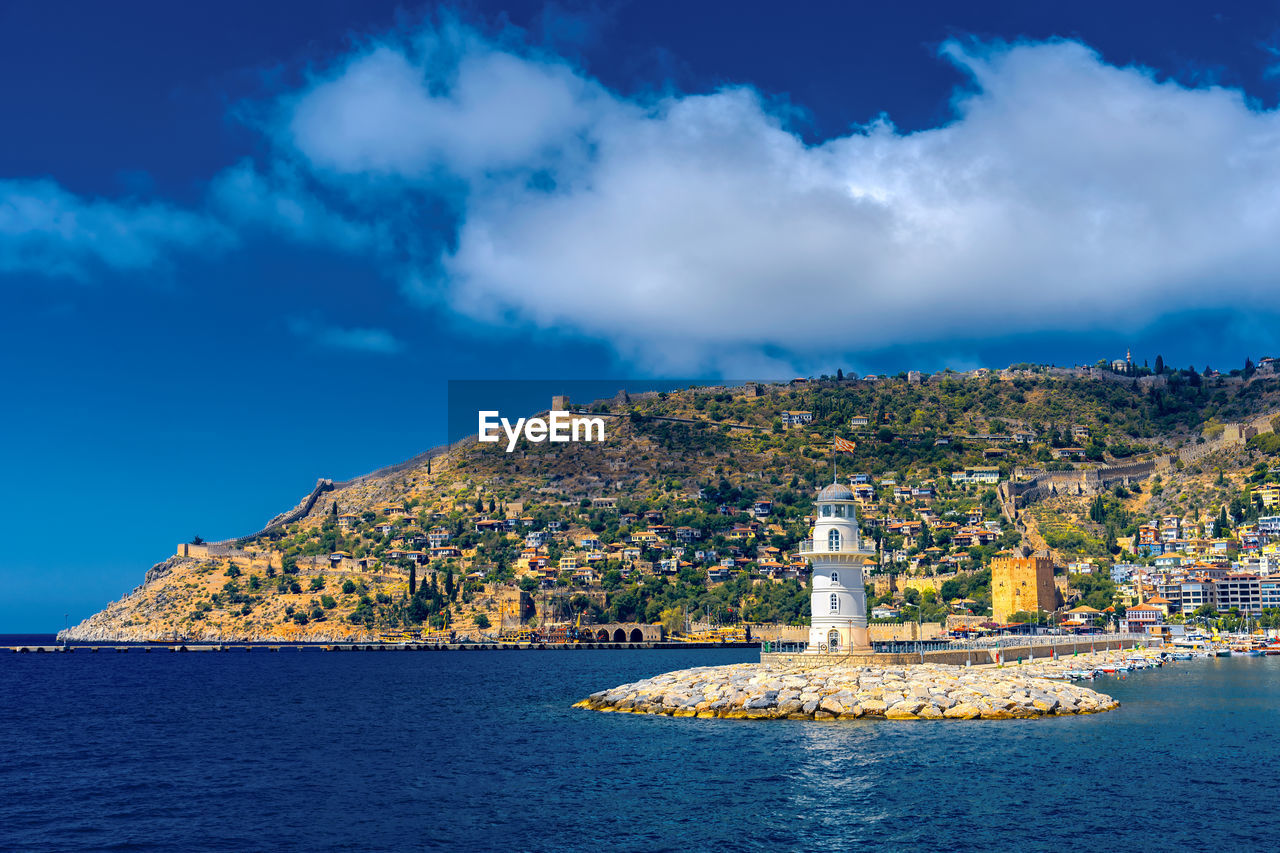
column 885, row 584
column 889, row 632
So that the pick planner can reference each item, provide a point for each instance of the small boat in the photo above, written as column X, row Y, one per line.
column 1183, row 656
column 1222, row 653
column 1081, row 674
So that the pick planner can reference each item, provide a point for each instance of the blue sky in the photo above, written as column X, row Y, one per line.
column 243, row 249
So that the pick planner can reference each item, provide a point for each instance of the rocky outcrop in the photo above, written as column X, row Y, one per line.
column 928, row 692
column 165, row 608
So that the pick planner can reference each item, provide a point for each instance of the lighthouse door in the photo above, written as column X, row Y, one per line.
column 833, row 641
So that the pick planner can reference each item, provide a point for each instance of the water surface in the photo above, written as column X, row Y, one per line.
column 481, row 751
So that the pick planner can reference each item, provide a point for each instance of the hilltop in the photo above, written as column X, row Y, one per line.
column 694, row 504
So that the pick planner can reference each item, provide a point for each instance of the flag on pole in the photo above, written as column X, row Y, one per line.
column 843, row 444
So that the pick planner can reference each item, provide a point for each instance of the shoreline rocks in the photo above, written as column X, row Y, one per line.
column 757, row 691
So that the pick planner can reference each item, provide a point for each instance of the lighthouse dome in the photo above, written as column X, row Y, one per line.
column 835, row 492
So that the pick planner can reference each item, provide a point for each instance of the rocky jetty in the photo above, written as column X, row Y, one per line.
column 757, row 691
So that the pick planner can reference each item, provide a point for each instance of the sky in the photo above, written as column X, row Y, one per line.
column 245, row 245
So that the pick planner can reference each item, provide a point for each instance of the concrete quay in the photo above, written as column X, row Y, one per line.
column 966, row 654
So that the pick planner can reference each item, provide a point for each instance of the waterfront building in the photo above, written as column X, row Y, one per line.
column 1269, row 593
column 1139, row 618
column 837, row 554
column 1240, row 590
column 1196, row 594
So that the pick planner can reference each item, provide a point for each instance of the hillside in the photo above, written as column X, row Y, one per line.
column 696, row 502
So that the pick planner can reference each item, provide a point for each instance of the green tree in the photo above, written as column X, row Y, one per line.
column 672, row 619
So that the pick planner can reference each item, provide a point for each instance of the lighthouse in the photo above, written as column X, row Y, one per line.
column 838, row 607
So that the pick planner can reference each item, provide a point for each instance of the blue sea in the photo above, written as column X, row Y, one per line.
column 482, row 751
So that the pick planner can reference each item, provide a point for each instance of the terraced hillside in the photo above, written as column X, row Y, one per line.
column 693, row 506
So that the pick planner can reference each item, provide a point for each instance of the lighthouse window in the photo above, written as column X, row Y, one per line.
column 826, row 511
column 833, row 540
column 839, row 510
column 835, row 577
column 835, row 603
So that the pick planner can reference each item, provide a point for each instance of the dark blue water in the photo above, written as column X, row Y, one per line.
column 481, row 751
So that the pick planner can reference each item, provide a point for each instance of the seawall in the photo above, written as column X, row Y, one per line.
column 977, row 656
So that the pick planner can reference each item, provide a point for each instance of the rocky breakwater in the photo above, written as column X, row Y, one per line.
column 756, row 691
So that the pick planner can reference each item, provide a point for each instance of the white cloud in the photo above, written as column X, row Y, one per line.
column 376, row 341
column 449, row 104
column 46, row 230
column 695, row 231
column 699, row 232
column 281, row 202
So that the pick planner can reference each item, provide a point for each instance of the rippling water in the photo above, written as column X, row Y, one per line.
column 481, row 751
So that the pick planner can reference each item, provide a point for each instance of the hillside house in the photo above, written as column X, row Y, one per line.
column 977, row 475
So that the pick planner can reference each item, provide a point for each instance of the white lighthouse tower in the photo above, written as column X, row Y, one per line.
column 838, row 608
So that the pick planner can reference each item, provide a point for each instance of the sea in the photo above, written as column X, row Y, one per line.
column 480, row 750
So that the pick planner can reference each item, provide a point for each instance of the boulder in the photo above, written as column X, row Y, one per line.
column 962, row 711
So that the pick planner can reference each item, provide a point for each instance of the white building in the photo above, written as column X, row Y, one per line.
column 838, row 606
